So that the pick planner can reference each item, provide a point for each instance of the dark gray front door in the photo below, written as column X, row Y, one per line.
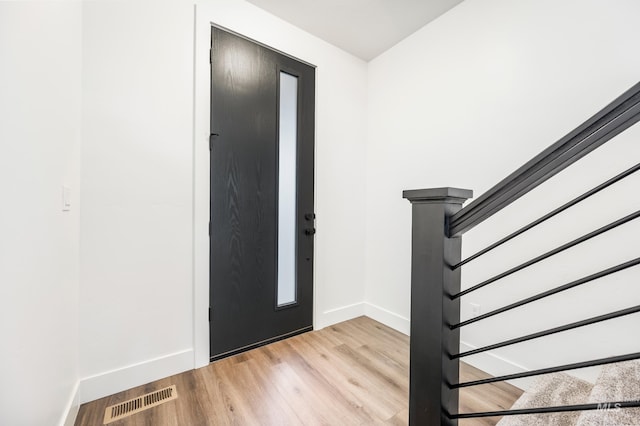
column 262, row 203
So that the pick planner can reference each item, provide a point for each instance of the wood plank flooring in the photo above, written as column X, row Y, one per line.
column 352, row 373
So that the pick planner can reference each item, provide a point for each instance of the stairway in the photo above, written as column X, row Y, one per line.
column 616, row 382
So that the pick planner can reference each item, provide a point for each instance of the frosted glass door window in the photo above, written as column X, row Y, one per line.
column 287, row 162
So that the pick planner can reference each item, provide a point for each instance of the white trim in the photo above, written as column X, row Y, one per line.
column 204, row 17
column 201, row 107
column 73, row 406
column 496, row 365
column 110, row 382
column 388, row 318
column 488, row 362
column 343, row 313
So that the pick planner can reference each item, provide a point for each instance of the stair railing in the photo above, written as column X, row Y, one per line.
column 438, row 223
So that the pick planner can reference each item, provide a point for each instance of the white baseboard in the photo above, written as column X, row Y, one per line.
column 487, row 361
column 334, row 316
column 110, row 382
column 71, row 410
column 497, row 366
column 345, row 313
column 388, row 318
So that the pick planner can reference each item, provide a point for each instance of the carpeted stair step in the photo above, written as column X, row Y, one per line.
column 550, row 390
column 617, row 382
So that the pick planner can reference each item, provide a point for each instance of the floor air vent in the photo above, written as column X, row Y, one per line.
column 141, row 403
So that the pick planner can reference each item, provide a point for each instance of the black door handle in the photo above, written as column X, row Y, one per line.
column 310, row 231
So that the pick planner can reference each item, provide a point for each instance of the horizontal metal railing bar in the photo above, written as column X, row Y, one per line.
column 549, row 215
column 559, row 289
column 589, row 321
column 555, row 409
column 616, row 117
column 550, row 253
column 627, row 119
column 566, row 367
column 466, row 220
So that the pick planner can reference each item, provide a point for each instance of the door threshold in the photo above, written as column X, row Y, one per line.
column 258, row 344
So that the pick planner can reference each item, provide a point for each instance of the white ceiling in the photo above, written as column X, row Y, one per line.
column 364, row 28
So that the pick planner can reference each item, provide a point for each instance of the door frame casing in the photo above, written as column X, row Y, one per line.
column 201, row 182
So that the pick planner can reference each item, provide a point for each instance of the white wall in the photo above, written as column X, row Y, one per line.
column 40, row 73
column 136, row 224
column 141, row 158
column 611, row 293
column 468, row 99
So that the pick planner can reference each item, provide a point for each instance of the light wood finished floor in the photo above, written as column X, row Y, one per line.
column 352, row 373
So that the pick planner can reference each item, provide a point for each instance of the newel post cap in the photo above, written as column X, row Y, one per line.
column 438, row 195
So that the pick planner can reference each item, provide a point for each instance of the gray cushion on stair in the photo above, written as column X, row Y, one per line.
column 550, row 390
column 617, row 382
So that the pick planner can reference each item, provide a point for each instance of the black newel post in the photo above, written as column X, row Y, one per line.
column 432, row 310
